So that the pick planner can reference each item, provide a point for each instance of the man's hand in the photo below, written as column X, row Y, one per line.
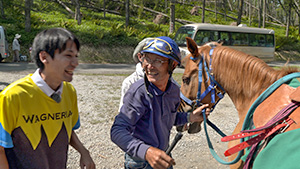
column 158, row 159
column 196, row 116
column 3, row 159
column 86, row 162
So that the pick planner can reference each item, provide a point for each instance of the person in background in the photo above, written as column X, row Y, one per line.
column 31, row 57
column 142, row 127
column 16, row 48
column 39, row 113
column 138, row 74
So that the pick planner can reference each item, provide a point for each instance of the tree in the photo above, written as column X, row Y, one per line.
column 259, row 13
column 225, row 10
column 203, row 11
column 241, row 2
column 230, row 5
column 28, row 4
column 141, row 9
column 66, row 7
column 127, row 12
column 288, row 18
column 166, row 6
column 250, row 12
column 77, row 12
column 2, row 10
column 264, row 14
column 297, row 9
column 104, row 7
column 216, row 3
column 172, row 16
column 287, row 6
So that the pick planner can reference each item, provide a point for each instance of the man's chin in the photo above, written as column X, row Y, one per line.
column 151, row 78
column 68, row 79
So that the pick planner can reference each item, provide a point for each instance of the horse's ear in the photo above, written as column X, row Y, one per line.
column 220, row 42
column 192, row 46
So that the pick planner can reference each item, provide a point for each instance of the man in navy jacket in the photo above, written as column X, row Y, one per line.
column 142, row 128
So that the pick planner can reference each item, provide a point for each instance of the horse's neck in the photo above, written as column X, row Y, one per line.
column 242, row 105
column 243, row 77
column 245, row 90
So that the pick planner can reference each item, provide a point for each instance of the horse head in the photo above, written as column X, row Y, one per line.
column 198, row 85
column 246, row 80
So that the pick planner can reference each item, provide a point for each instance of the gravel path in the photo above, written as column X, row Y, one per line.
column 98, row 99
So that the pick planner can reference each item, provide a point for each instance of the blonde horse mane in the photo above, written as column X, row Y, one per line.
column 243, row 77
column 241, row 73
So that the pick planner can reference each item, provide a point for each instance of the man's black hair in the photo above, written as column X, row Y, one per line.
column 49, row 40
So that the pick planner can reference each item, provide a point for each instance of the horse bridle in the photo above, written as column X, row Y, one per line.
column 212, row 88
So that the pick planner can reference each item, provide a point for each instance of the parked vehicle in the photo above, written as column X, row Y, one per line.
column 3, row 44
column 257, row 42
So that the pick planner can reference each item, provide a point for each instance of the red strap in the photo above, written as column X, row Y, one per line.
column 244, row 144
column 240, row 135
column 263, row 134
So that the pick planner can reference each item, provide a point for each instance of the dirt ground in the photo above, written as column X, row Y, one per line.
column 98, row 97
column 98, row 93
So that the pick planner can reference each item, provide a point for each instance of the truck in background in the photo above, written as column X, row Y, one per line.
column 257, row 42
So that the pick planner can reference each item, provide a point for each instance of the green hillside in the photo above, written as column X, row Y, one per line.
column 106, row 39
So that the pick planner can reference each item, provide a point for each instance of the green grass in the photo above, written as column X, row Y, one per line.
column 107, row 39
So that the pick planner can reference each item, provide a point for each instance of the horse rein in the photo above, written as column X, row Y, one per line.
column 212, row 88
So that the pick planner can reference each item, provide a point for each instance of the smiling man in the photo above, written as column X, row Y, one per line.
column 142, row 128
column 39, row 113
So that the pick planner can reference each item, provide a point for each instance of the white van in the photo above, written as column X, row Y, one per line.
column 257, row 42
column 3, row 44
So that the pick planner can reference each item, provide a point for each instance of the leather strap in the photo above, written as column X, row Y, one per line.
column 289, row 121
column 263, row 135
column 282, row 114
column 240, row 135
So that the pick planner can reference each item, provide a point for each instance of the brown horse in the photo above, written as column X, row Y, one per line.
column 243, row 77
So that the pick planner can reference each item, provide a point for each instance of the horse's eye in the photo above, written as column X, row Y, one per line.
column 186, row 80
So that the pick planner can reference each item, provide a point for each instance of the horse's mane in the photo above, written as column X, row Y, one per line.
column 241, row 73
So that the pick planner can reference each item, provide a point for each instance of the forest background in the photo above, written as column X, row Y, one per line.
column 110, row 29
